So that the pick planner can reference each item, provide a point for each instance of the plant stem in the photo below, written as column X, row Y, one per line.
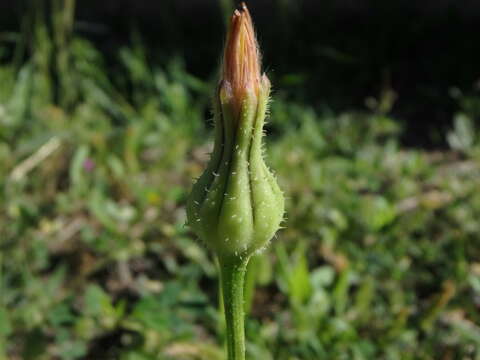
column 232, row 275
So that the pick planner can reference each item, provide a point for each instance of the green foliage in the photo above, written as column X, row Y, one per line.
column 378, row 258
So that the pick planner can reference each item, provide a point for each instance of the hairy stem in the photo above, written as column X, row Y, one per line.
column 232, row 276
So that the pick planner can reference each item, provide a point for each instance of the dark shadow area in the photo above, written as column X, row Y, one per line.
column 333, row 53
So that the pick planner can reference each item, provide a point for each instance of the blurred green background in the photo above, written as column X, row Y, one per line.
column 373, row 134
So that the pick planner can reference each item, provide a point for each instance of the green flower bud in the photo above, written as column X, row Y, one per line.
column 236, row 206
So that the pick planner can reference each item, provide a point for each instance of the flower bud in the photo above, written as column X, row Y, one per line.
column 236, row 206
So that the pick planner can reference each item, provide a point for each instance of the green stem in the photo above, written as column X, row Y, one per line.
column 232, row 275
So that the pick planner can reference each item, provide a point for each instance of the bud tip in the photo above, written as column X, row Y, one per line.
column 241, row 62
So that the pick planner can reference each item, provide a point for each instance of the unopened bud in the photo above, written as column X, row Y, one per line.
column 236, row 206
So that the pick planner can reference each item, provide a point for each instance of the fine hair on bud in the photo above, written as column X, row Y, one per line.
column 237, row 197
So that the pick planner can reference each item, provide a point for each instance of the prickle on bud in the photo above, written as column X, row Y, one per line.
column 236, row 206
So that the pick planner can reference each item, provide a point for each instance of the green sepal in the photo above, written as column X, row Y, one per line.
column 236, row 206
